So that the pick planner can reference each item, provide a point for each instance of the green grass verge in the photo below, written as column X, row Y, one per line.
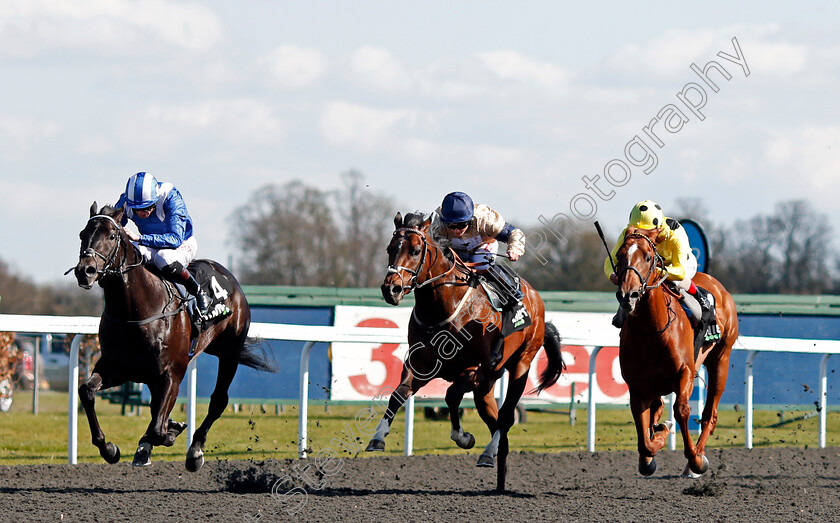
column 252, row 433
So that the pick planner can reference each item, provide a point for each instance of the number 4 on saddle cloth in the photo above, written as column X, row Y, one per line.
column 217, row 287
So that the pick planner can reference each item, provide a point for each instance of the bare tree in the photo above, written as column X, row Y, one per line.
column 299, row 235
column 368, row 229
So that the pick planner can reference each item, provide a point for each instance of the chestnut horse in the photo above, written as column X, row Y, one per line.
column 145, row 336
column 451, row 333
column 657, row 354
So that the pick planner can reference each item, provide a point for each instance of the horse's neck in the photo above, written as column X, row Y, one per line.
column 136, row 292
column 654, row 305
column 440, row 298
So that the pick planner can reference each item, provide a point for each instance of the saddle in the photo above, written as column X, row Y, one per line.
column 215, row 284
column 514, row 317
column 705, row 327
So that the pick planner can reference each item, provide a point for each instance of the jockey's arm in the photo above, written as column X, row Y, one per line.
column 174, row 227
column 675, row 249
column 491, row 224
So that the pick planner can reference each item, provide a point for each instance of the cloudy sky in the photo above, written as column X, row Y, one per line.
column 536, row 108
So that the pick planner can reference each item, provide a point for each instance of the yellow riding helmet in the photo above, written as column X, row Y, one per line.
column 647, row 215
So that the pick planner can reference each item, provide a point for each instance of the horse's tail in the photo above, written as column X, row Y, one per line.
column 255, row 355
column 552, row 345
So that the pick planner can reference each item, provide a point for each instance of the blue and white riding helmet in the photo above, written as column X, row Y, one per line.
column 141, row 191
column 456, row 207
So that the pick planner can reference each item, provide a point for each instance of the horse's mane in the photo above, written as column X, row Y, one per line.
column 414, row 219
column 108, row 210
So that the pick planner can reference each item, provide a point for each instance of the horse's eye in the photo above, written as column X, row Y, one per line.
column 112, row 237
column 415, row 251
column 647, row 257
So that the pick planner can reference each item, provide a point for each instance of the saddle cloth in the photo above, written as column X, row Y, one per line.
column 217, row 287
column 514, row 318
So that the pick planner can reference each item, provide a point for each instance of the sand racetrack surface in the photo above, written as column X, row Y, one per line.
column 767, row 484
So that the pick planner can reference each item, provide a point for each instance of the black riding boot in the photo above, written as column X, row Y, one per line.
column 179, row 274
column 509, row 288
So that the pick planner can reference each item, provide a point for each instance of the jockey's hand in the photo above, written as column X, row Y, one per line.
column 614, row 278
column 133, row 236
column 513, row 256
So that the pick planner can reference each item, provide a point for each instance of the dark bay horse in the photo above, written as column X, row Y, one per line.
column 657, row 354
column 450, row 336
column 145, row 333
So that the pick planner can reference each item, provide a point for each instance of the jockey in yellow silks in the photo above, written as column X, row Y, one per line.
column 672, row 244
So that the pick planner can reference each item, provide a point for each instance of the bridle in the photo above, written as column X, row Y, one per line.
column 110, row 260
column 396, row 269
column 658, row 262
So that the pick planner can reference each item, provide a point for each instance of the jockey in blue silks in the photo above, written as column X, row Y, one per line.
column 166, row 231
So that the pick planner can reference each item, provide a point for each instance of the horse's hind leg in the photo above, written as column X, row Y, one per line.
column 102, row 377
column 506, row 418
column 488, row 410
column 717, row 370
column 454, row 396
column 218, row 403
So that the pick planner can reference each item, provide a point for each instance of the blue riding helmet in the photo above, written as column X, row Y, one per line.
column 141, row 191
column 456, row 207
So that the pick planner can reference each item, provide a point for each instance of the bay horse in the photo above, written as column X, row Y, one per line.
column 657, row 351
column 451, row 333
column 145, row 336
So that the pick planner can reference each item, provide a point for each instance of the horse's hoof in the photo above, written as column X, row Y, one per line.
column 467, row 442
column 704, row 466
column 375, row 445
column 486, row 461
column 193, row 463
column 143, row 456
column 687, row 473
column 111, row 453
column 647, row 468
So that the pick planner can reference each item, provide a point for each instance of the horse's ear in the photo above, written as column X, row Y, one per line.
column 93, row 209
column 118, row 214
column 398, row 220
column 426, row 223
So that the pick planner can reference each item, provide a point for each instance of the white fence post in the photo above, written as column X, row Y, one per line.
column 590, row 408
column 73, row 407
column 192, row 379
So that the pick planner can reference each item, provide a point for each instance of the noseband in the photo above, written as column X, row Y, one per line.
column 658, row 261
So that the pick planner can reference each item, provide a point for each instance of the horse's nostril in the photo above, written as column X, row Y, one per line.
column 634, row 295
column 396, row 289
column 90, row 270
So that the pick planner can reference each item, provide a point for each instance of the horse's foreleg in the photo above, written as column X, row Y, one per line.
column 454, row 396
column 99, row 379
column 408, row 387
column 648, row 441
column 697, row 464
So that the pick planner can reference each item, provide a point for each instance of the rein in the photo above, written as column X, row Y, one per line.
column 123, row 268
column 658, row 262
column 110, row 260
column 413, row 283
